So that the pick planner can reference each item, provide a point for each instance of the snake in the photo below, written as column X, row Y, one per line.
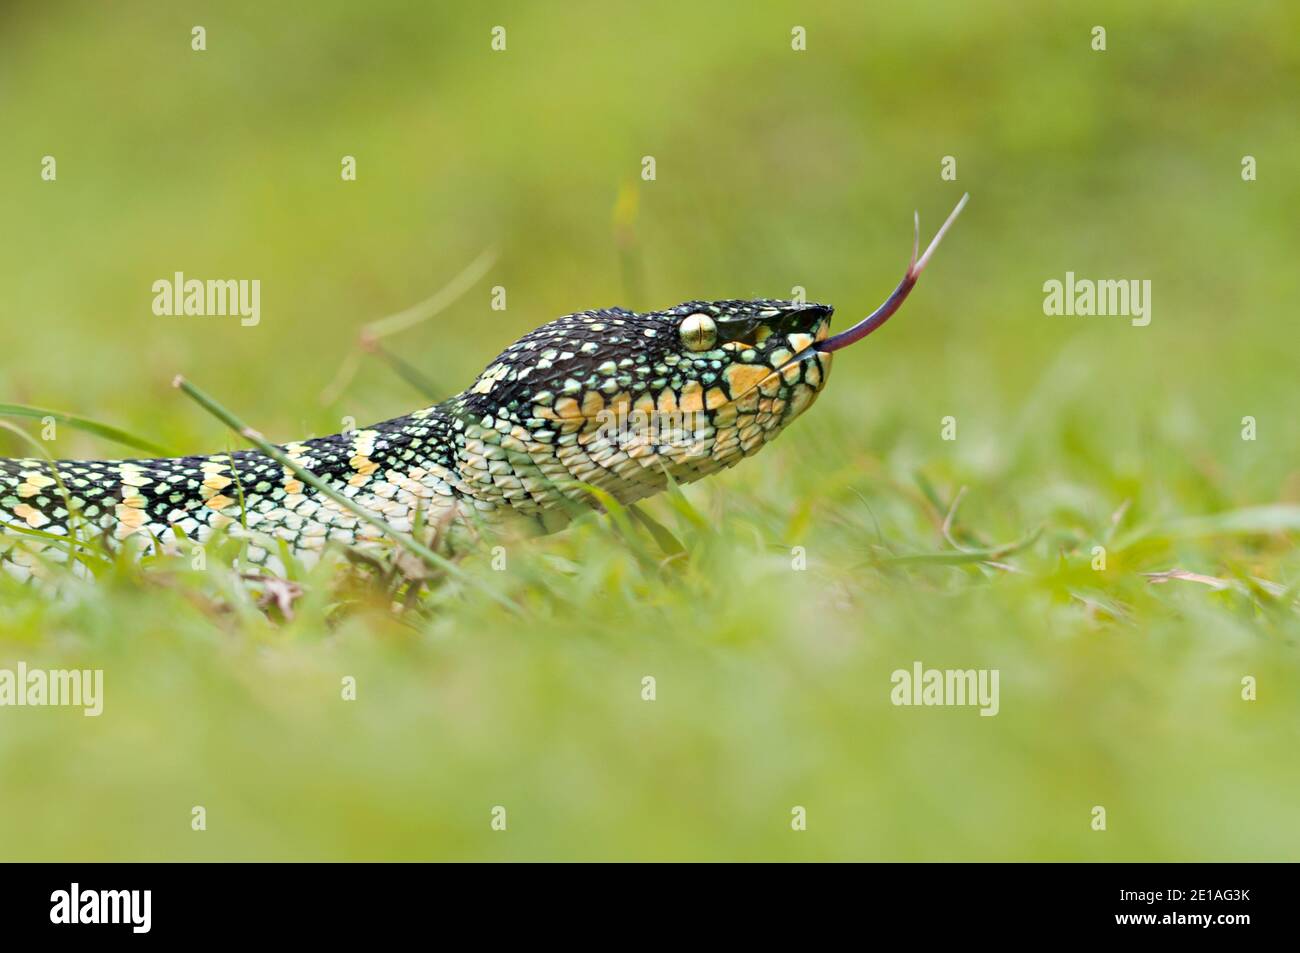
column 593, row 406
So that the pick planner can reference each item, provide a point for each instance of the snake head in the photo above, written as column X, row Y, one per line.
column 625, row 400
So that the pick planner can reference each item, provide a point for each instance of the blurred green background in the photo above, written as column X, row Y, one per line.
column 775, row 169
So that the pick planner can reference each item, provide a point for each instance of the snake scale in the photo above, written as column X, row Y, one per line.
column 611, row 399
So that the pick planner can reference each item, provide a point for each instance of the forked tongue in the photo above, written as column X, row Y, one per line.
column 895, row 300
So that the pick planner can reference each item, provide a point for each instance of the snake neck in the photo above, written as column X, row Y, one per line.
column 418, row 473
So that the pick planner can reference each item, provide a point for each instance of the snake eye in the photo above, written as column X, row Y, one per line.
column 698, row 332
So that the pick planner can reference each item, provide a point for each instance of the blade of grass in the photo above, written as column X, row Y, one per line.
column 375, row 331
column 412, row 316
column 108, row 432
column 669, row 543
column 407, row 372
column 682, row 506
column 620, row 525
column 968, row 556
column 239, row 486
column 1247, row 521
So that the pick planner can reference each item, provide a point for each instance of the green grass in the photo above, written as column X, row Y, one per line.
column 775, row 169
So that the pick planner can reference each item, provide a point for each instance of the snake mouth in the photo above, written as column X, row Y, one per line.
column 756, row 330
column 806, row 320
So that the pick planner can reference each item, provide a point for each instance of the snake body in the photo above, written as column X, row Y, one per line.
column 612, row 399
